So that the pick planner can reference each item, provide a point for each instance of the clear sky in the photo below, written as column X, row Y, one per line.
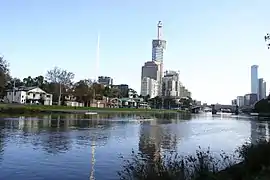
column 213, row 43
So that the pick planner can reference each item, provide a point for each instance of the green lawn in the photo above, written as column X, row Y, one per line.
column 55, row 107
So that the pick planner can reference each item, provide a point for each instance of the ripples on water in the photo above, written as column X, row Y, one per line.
column 76, row 147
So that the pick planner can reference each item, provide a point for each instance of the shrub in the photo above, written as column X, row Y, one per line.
column 256, row 157
column 250, row 162
column 202, row 166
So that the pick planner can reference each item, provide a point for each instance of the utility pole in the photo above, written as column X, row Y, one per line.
column 60, row 94
column 13, row 90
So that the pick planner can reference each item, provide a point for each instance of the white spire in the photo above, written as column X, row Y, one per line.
column 97, row 58
column 159, row 26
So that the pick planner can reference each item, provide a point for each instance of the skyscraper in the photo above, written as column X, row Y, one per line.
column 158, row 47
column 154, row 69
column 171, row 84
column 261, row 89
column 264, row 87
column 254, row 79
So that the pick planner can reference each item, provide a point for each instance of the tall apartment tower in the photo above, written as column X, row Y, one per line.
column 171, row 84
column 261, row 89
column 254, row 80
column 158, row 47
column 154, row 69
column 150, row 71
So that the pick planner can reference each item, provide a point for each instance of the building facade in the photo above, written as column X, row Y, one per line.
column 250, row 99
column 265, row 92
column 240, row 101
column 149, row 87
column 105, row 80
column 28, row 95
column 158, row 48
column 254, row 79
column 184, row 92
column 261, row 89
column 234, row 102
column 151, row 69
column 171, row 84
column 123, row 88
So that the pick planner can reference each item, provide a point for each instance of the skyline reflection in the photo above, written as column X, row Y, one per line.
column 89, row 146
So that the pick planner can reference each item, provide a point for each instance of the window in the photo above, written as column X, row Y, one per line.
column 34, row 95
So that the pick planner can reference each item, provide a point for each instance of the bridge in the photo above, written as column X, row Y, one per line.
column 216, row 108
column 196, row 109
column 224, row 108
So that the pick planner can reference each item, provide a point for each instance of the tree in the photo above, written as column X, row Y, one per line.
column 4, row 75
column 83, row 92
column 156, row 102
column 40, row 82
column 186, row 102
column 263, row 106
column 28, row 82
column 61, row 77
column 146, row 98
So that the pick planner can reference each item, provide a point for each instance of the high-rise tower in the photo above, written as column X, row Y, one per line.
column 154, row 69
column 254, row 79
column 158, row 47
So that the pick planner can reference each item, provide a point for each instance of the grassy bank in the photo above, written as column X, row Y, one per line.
column 254, row 164
column 20, row 109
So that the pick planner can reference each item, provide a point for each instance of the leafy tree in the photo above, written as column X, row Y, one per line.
column 28, row 82
column 38, row 81
column 98, row 90
column 4, row 75
column 115, row 93
column 146, row 98
column 186, row 102
column 61, row 77
column 263, row 106
column 83, row 91
column 41, row 82
column 156, row 102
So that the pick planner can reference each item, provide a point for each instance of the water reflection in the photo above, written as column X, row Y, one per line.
column 154, row 137
column 259, row 130
column 55, row 134
column 72, row 146
column 2, row 137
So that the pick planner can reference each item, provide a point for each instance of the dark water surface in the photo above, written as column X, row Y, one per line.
column 75, row 147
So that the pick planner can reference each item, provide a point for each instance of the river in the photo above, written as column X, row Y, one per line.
column 75, row 147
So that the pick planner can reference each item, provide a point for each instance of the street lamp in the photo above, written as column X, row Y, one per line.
column 267, row 40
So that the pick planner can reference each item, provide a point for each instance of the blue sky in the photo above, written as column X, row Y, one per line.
column 212, row 43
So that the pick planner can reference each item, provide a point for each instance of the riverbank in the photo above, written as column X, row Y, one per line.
column 254, row 164
column 29, row 109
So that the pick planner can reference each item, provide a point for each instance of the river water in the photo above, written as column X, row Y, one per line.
column 75, row 147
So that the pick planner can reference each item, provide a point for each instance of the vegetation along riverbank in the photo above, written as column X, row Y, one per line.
column 21, row 109
column 249, row 162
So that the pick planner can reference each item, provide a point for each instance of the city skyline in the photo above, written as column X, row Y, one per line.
column 66, row 37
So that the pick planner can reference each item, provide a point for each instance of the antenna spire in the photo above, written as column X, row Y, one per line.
column 159, row 26
column 97, row 57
